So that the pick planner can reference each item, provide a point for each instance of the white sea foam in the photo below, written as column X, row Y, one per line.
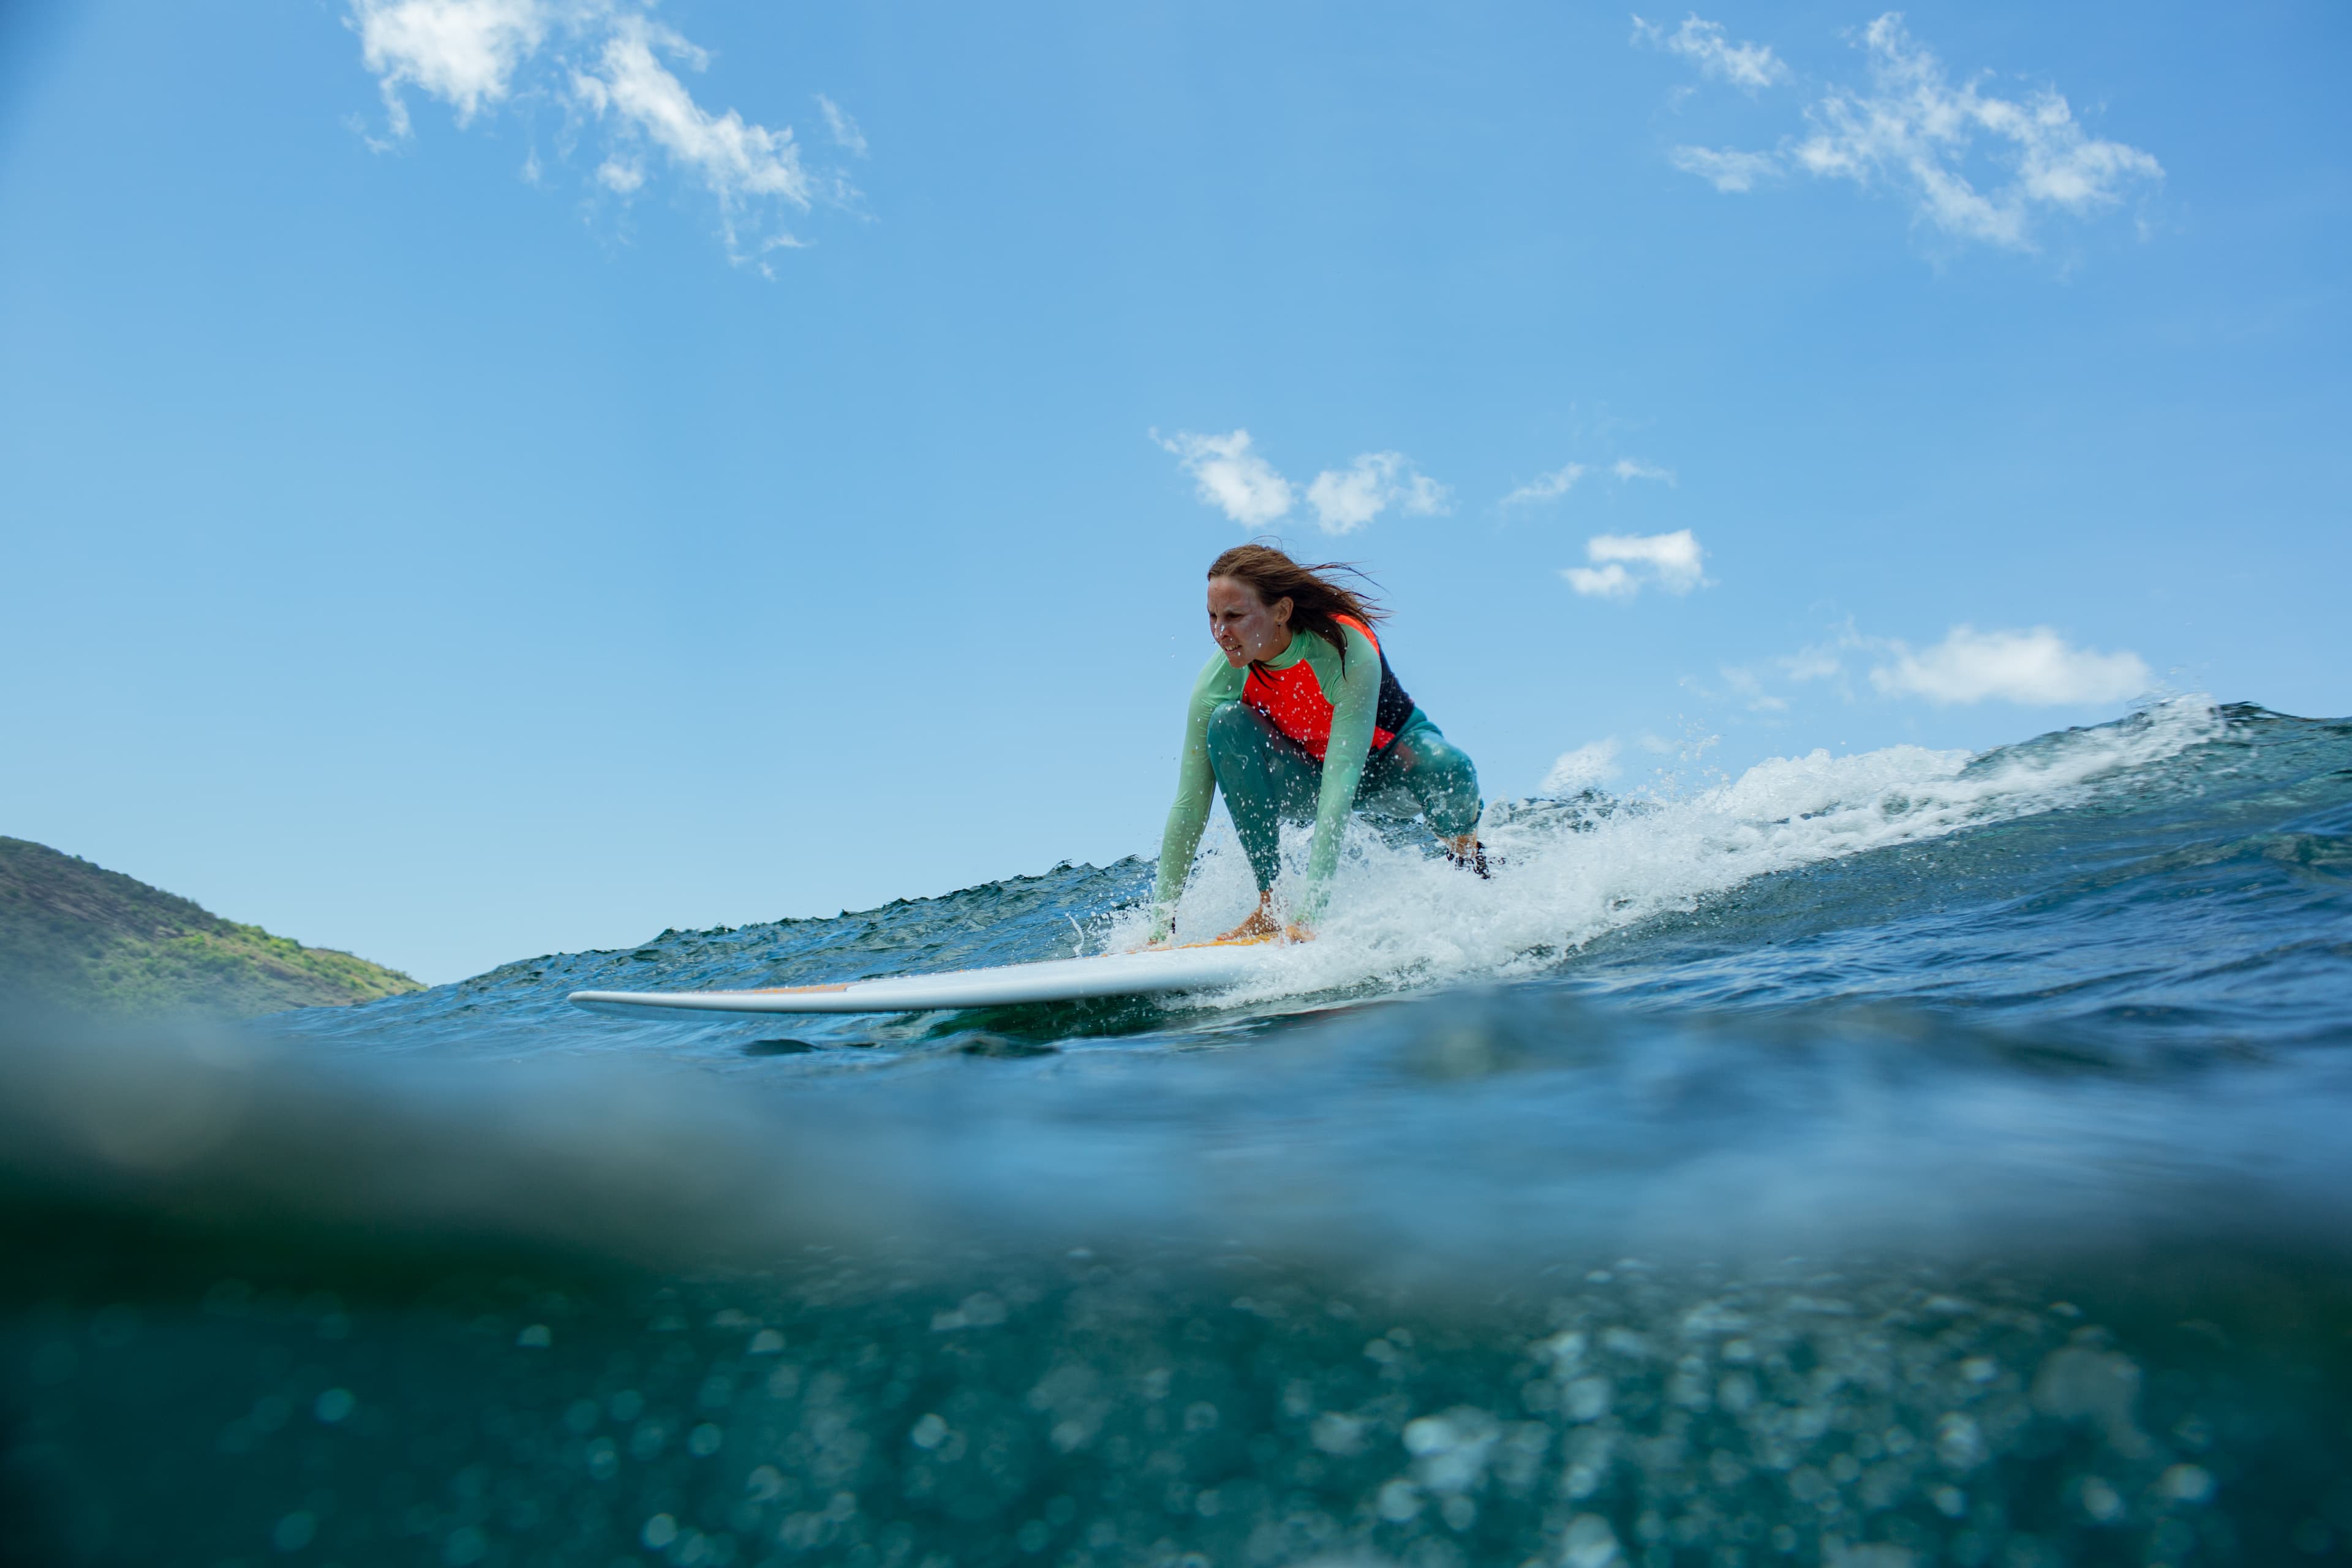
column 1399, row 917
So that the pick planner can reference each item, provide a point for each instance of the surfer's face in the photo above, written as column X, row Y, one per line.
column 1246, row 626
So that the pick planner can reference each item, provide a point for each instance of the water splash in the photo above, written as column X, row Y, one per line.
column 1401, row 917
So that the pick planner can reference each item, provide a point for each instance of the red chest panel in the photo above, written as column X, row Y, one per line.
column 1292, row 701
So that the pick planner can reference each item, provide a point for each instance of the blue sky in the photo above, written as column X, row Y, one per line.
column 490, row 477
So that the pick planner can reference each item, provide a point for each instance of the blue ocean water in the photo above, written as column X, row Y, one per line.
column 1895, row 1159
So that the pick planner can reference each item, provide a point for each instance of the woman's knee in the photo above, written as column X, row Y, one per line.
column 1231, row 725
column 1235, row 743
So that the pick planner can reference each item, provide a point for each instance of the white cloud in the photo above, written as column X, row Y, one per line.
column 1704, row 45
column 1727, row 170
column 1253, row 492
column 1583, row 768
column 2035, row 669
column 1912, row 129
column 844, row 129
column 1611, row 582
column 607, row 61
column 2032, row 668
column 736, row 161
column 1231, row 476
column 1345, row 500
column 1547, row 487
column 463, row 51
column 1671, row 561
column 1628, row 469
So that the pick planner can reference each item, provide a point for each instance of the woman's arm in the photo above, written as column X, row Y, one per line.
column 1355, row 693
column 1196, row 790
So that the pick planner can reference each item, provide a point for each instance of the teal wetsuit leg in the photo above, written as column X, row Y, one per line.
column 1432, row 772
column 1268, row 780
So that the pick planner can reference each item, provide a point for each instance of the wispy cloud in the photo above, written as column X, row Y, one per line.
column 1752, row 683
column 465, row 52
column 1583, row 768
column 1811, row 664
column 604, row 63
column 1749, row 688
column 1547, row 487
column 1911, row 129
column 1242, row 485
column 646, row 104
column 845, row 133
column 1624, row 564
column 1706, row 46
column 1232, row 477
column 1727, row 170
column 1562, row 479
column 1346, row 500
column 2035, row 669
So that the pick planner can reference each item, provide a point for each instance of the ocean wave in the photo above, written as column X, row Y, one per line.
column 1882, row 1160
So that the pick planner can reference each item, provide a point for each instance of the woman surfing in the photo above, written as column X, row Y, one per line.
column 1297, row 718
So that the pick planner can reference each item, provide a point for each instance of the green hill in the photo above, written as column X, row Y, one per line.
column 74, row 936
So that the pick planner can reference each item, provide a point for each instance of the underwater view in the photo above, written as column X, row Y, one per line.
column 1890, row 1159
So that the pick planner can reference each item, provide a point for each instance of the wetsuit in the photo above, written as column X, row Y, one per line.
column 1307, row 734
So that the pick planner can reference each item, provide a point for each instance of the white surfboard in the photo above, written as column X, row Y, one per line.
column 1201, row 966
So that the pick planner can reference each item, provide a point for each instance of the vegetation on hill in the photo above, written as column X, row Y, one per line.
column 73, row 935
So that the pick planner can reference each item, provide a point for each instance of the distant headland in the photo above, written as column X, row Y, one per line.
column 74, row 936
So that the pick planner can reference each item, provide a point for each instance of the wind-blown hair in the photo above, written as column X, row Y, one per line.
column 1315, row 601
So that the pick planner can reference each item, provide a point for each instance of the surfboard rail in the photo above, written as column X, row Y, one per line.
column 1147, row 972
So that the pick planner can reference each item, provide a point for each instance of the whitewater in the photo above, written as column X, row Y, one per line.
column 1890, row 1158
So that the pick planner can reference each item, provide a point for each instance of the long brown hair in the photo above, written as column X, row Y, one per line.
column 1315, row 601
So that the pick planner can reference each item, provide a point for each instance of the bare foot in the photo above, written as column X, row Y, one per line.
column 1263, row 922
column 1260, row 923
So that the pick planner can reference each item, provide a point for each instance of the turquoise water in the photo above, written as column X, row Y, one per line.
column 1902, row 1159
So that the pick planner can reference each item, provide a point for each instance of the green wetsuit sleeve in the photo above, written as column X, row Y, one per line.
column 1354, row 691
column 1196, row 790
